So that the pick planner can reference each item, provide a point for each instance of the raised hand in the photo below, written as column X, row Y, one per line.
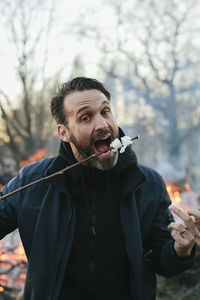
column 186, row 233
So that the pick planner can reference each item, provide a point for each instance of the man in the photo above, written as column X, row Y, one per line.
column 101, row 230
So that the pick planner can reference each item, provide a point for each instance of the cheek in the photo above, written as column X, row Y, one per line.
column 84, row 135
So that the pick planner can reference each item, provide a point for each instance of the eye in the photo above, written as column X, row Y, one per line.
column 85, row 118
column 105, row 111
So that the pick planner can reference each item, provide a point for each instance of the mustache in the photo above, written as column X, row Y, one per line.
column 101, row 134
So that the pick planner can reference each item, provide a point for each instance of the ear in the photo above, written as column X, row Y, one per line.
column 63, row 133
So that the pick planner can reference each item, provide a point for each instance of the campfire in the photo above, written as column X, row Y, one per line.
column 39, row 154
column 181, row 194
column 13, row 265
column 13, row 261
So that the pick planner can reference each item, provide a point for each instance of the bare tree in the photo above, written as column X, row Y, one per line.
column 151, row 47
column 162, row 71
column 27, row 124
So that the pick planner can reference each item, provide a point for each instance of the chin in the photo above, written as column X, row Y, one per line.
column 105, row 165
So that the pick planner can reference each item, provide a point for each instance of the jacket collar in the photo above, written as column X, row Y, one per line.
column 59, row 181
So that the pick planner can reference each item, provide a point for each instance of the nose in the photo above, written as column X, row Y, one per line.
column 100, row 123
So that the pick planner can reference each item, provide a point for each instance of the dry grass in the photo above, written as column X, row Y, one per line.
column 185, row 286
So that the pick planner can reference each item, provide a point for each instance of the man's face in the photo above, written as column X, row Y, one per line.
column 91, row 127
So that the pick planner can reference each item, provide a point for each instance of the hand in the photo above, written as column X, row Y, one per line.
column 185, row 234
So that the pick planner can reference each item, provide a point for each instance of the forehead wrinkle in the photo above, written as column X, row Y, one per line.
column 87, row 107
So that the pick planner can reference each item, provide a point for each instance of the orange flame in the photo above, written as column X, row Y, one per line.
column 174, row 192
column 39, row 154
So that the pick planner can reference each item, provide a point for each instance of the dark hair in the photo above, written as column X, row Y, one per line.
column 64, row 89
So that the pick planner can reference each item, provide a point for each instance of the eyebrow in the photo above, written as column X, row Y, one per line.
column 89, row 107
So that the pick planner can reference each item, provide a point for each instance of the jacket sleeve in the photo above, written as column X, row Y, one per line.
column 166, row 262
column 9, row 206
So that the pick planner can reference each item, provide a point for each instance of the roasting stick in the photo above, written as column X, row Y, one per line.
column 61, row 171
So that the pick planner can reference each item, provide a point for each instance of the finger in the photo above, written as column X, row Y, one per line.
column 182, row 246
column 195, row 213
column 180, row 228
column 179, row 239
column 179, row 212
column 186, row 219
column 176, row 226
column 181, row 234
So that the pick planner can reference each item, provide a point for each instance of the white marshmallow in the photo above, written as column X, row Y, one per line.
column 116, row 144
column 126, row 141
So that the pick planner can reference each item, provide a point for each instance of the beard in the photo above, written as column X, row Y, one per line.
column 86, row 151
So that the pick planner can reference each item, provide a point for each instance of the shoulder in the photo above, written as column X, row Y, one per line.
column 154, row 185
column 152, row 176
column 26, row 175
column 36, row 169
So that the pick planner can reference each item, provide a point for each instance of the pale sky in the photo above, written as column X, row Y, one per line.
column 62, row 45
column 62, row 48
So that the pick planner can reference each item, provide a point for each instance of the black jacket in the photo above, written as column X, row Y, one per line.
column 46, row 219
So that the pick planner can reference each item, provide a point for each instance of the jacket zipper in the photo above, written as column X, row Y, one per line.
column 92, row 239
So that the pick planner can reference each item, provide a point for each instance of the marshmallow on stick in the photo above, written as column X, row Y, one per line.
column 125, row 142
column 116, row 145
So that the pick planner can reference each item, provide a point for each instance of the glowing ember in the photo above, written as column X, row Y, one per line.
column 13, row 265
column 13, row 261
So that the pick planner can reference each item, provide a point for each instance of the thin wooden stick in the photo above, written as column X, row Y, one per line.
column 59, row 172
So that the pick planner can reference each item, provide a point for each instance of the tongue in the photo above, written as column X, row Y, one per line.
column 101, row 146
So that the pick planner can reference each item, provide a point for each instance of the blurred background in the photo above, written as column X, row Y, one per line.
column 147, row 52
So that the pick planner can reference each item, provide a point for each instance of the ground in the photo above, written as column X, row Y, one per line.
column 185, row 286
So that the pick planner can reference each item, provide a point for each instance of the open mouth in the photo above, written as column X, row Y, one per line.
column 102, row 145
